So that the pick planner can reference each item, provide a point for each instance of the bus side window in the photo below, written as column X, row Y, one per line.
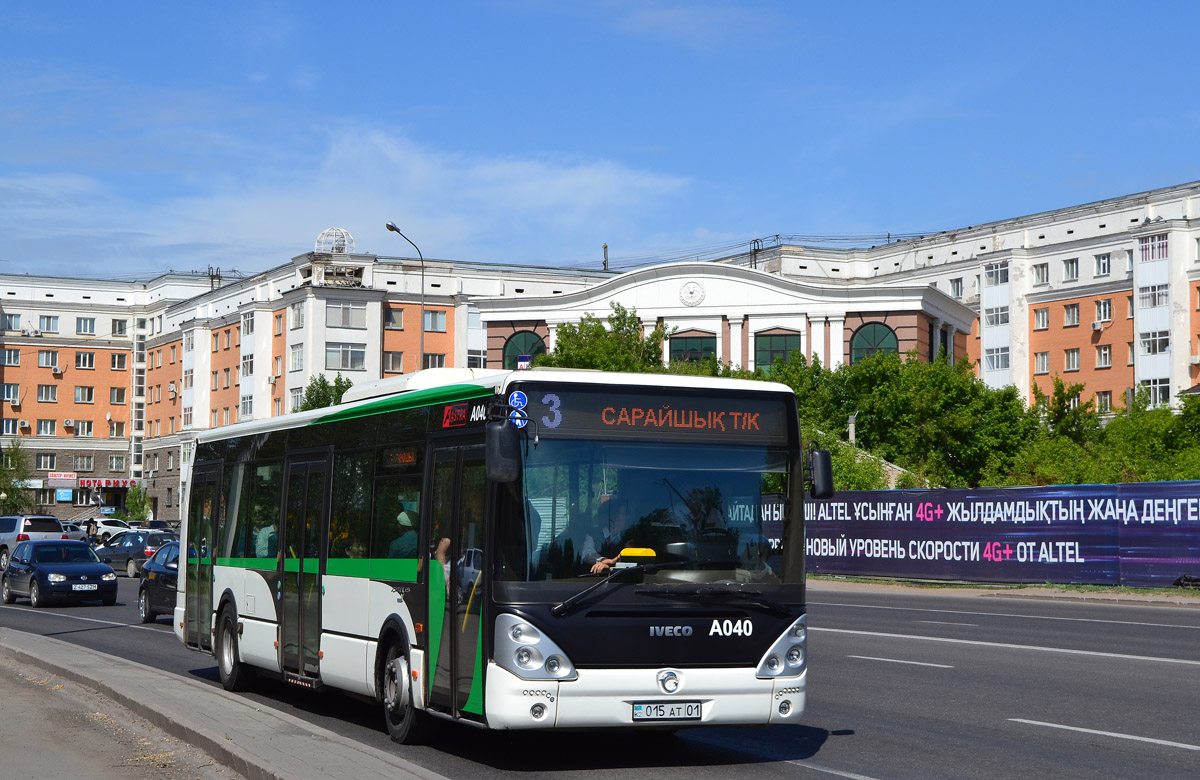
column 396, row 521
column 350, row 520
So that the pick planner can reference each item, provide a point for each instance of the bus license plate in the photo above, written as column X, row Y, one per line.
column 673, row 710
column 83, row 586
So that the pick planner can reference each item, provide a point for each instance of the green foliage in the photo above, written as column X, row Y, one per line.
column 14, row 470
column 621, row 345
column 320, row 393
column 137, row 506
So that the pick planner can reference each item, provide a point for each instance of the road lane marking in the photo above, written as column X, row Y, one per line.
column 1008, row 646
column 79, row 617
column 945, row 623
column 757, row 751
column 899, row 661
column 1004, row 614
column 829, row 771
column 1114, row 734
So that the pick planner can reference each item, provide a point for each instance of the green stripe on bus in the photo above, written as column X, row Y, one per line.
column 474, row 703
column 397, row 569
column 410, row 400
column 437, row 617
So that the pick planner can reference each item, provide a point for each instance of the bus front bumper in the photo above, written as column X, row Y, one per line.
column 605, row 698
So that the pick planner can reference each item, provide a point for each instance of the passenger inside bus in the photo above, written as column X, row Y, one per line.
column 608, row 552
column 405, row 545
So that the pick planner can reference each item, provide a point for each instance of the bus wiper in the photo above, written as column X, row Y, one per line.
column 564, row 606
column 708, row 591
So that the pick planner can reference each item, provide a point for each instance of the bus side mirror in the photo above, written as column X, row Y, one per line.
column 820, row 473
column 503, row 451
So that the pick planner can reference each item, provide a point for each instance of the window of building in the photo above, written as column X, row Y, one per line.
column 216, row 342
column 83, row 429
column 1041, row 363
column 1041, row 319
column 189, row 341
column 1070, row 315
column 1152, row 295
column 188, row 377
column 116, row 462
column 1153, row 247
column 1155, row 342
column 996, row 316
column 47, row 427
column 12, row 321
column 522, row 343
column 435, row 321
column 247, row 324
column 1129, row 310
column 1104, row 401
column 9, row 426
column 246, row 409
column 12, row 357
column 393, row 319
column 120, row 327
column 187, row 417
column 1130, row 353
column 297, row 358
column 12, row 392
column 1104, row 356
column 1071, row 360
column 393, row 362
column 228, row 338
column 116, row 429
column 85, row 394
column 296, row 394
column 118, row 361
column 1103, row 264
column 693, row 349
column 227, row 377
column 1104, row 310
column 876, row 337
column 1071, row 269
column 278, row 365
column 434, row 360
column 172, row 354
column 1041, row 274
column 997, row 359
column 277, row 406
column 248, row 365
column 1159, row 389
column 215, row 381
column 47, row 394
column 995, row 274
column 297, row 318
column 345, row 314
column 956, row 288
column 46, row 461
column 85, row 360
column 47, row 358
column 345, row 356
column 214, row 419
column 768, row 349
column 278, row 324
column 48, row 324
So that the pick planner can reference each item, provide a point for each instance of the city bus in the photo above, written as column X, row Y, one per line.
column 538, row 549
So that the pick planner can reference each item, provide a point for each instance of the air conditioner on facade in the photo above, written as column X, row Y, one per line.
column 272, row 380
column 37, row 332
column 1097, row 325
column 14, row 403
column 68, row 422
column 24, row 331
column 1196, row 360
column 56, row 370
column 171, row 387
column 22, row 423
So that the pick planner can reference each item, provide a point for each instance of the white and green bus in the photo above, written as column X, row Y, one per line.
column 513, row 550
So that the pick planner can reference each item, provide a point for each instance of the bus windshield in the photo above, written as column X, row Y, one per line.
column 702, row 512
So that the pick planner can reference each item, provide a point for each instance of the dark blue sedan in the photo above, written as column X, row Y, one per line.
column 57, row 570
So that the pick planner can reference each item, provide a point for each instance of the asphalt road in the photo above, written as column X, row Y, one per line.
column 902, row 684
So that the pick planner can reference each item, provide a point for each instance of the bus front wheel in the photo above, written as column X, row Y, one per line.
column 235, row 675
column 405, row 723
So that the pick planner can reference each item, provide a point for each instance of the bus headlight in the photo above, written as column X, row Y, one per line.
column 786, row 657
column 523, row 650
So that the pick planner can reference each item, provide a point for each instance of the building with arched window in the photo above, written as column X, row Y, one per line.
column 742, row 316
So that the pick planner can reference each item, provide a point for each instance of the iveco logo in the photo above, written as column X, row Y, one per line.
column 670, row 630
column 669, row 682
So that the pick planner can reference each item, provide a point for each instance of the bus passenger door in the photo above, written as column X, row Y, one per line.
column 306, row 493
column 456, row 586
column 201, row 545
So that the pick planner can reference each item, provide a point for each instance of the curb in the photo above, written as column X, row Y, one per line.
column 259, row 743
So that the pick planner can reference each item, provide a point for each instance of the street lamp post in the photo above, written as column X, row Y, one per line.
column 421, row 357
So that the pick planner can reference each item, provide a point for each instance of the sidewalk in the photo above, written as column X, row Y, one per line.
column 258, row 743
column 1166, row 598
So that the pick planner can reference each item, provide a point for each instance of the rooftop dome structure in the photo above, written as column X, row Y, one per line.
column 335, row 241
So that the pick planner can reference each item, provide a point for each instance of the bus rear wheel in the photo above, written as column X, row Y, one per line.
column 405, row 724
column 235, row 675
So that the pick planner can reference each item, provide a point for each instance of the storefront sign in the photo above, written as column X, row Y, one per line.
column 111, row 483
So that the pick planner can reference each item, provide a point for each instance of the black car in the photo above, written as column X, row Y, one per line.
column 57, row 569
column 160, row 576
column 129, row 550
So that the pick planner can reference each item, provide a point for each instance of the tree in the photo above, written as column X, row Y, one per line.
column 137, row 507
column 621, row 345
column 320, row 393
column 1064, row 415
column 14, row 473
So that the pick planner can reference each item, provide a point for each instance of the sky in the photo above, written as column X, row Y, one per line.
column 141, row 138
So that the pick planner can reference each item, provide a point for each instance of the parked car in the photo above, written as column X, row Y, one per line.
column 128, row 552
column 107, row 526
column 23, row 528
column 57, row 569
column 160, row 577
column 74, row 532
